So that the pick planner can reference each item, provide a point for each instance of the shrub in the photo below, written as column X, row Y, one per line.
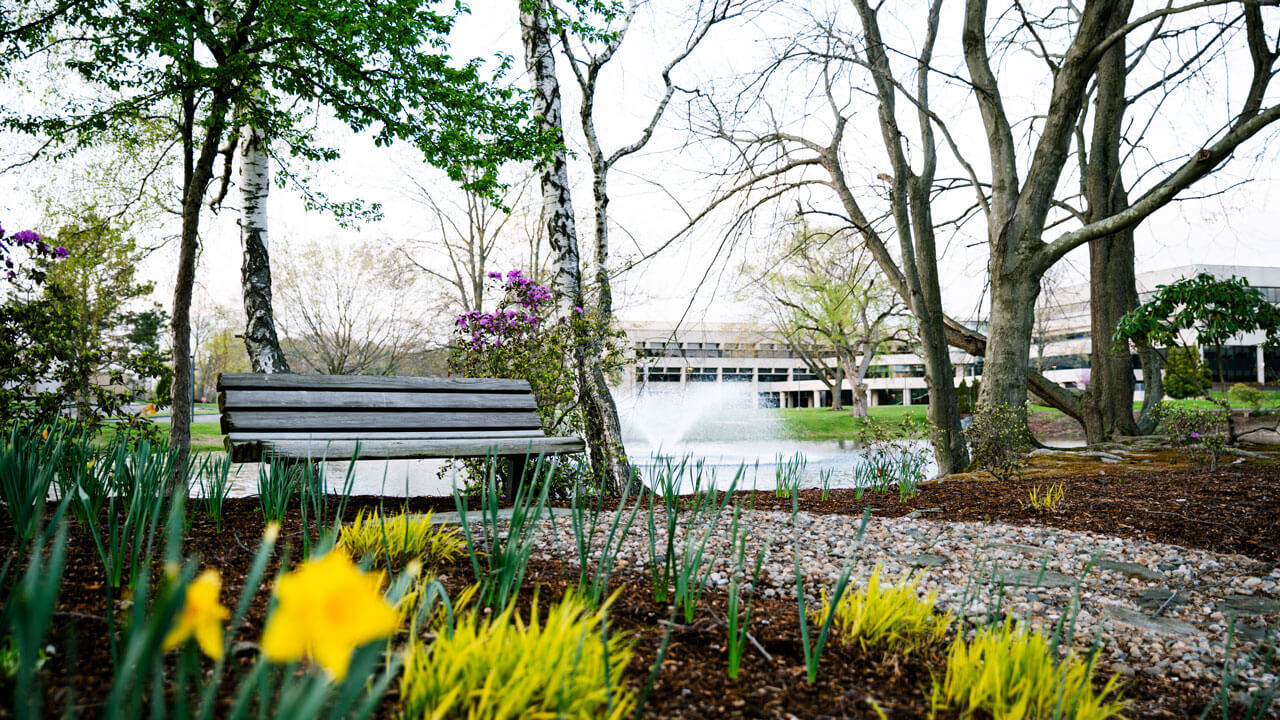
column 1185, row 375
column 1013, row 673
column 888, row 616
column 400, row 538
column 502, row 667
column 999, row 441
column 1248, row 396
column 1199, row 434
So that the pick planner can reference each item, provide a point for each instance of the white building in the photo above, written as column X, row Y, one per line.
column 1063, row 333
column 664, row 356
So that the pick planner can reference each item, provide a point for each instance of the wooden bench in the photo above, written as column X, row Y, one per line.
column 319, row 417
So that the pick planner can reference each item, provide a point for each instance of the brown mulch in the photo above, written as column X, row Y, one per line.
column 1232, row 510
column 1236, row 509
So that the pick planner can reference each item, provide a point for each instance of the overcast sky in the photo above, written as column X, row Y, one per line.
column 652, row 191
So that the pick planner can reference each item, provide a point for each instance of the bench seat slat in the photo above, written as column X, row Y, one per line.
column 290, row 381
column 392, row 400
column 242, row 420
column 409, row 449
column 323, row 436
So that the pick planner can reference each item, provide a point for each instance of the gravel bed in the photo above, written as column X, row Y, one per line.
column 1158, row 609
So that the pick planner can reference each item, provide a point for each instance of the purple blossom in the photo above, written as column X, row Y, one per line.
column 1195, row 435
column 26, row 237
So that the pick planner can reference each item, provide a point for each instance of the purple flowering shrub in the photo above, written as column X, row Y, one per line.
column 34, row 246
column 1200, row 434
column 521, row 339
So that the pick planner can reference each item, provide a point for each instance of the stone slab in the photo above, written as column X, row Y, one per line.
column 922, row 560
column 1163, row 625
column 1028, row 550
column 1133, row 570
column 1030, row 578
column 1155, row 598
column 1250, row 605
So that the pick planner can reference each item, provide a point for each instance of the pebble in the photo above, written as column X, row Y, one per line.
column 964, row 558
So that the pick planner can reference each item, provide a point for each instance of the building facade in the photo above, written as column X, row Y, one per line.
column 663, row 356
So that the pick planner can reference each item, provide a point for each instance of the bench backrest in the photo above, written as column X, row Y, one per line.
column 339, row 407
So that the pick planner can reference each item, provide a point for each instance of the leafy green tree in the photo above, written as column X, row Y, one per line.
column 112, row 348
column 1184, row 375
column 203, row 70
column 1211, row 310
column 837, row 315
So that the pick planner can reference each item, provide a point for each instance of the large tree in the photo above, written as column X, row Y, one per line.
column 1030, row 201
column 211, row 68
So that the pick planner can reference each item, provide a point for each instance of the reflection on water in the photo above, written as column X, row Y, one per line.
column 759, row 459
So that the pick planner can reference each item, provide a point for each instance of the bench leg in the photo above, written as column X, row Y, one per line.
column 515, row 478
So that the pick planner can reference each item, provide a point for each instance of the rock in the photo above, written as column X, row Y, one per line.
column 1134, row 570
column 1030, row 578
column 1250, row 605
column 1164, row 625
column 914, row 514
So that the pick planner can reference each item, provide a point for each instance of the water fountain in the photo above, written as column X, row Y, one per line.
column 720, row 425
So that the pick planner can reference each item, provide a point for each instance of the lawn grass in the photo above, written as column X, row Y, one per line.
column 205, row 436
column 825, row 424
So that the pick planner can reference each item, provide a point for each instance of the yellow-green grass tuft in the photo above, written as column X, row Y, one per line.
column 1010, row 674
column 499, row 666
column 892, row 617
column 400, row 538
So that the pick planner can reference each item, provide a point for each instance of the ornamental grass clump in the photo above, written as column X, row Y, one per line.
column 395, row 540
column 1012, row 673
column 892, row 617
column 1045, row 498
column 504, row 667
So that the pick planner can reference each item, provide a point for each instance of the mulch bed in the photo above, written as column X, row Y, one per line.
column 1234, row 510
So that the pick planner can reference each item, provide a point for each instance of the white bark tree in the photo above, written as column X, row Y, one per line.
column 260, row 338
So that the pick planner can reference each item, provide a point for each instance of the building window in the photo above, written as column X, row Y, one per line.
column 663, row 374
column 774, row 374
column 700, row 374
column 804, row 374
column 737, row 374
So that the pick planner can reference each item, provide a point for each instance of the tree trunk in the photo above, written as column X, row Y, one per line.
column 837, row 388
column 1153, row 387
column 260, row 339
column 603, row 431
column 1107, row 404
column 858, row 408
column 1004, row 371
column 197, row 178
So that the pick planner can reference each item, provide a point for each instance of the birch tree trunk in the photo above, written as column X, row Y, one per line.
column 603, row 431
column 260, row 339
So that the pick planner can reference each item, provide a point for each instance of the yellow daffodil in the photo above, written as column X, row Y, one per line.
column 327, row 608
column 45, row 435
column 202, row 616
